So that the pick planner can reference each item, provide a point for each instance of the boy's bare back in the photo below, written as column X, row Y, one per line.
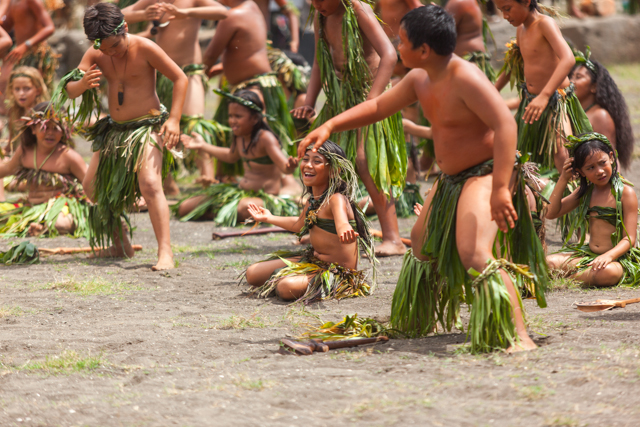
column 392, row 11
column 141, row 61
column 462, row 107
column 242, row 41
column 540, row 60
column 468, row 17
column 24, row 15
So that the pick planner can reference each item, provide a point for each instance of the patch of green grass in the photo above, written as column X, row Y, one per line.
column 535, row 392
column 67, row 362
column 387, row 405
column 562, row 421
column 237, row 264
column 14, row 310
column 246, row 383
column 241, row 322
column 93, row 286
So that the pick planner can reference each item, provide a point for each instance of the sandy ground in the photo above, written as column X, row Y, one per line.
column 110, row 343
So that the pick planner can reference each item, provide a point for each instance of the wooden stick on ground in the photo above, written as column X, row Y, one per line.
column 378, row 233
column 302, row 348
column 253, row 232
column 603, row 304
column 68, row 251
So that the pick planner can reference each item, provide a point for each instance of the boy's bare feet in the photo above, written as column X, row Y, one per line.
column 389, row 248
column 141, row 204
column 35, row 229
column 165, row 262
column 525, row 344
column 118, row 249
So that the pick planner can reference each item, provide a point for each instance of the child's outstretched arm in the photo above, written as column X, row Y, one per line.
column 5, row 42
column 222, row 37
column 291, row 223
column 552, row 33
column 369, row 112
column 46, row 30
column 560, row 206
column 159, row 60
column 372, row 30
column 196, row 142
column 630, row 221
column 274, row 151
column 204, row 9
column 417, row 130
column 338, row 205
column 91, row 78
column 12, row 166
column 308, row 110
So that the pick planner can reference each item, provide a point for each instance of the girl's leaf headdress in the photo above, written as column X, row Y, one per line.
column 244, row 102
column 98, row 42
column 583, row 59
column 575, row 141
column 42, row 118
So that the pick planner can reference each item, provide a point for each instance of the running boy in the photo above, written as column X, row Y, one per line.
column 128, row 145
column 349, row 77
column 474, row 139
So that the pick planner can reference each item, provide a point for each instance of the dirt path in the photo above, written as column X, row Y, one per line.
column 110, row 343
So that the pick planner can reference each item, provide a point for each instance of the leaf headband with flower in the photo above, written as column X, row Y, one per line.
column 573, row 142
column 42, row 118
column 245, row 103
column 98, row 42
column 583, row 59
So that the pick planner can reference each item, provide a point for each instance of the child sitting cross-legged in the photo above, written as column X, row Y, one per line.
column 337, row 228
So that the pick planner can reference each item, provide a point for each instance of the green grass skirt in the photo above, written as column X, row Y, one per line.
column 431, row 292
column 222, row 201
column 164, row 86
column 630, row 263
column 116, row 188
column 42, row 58
column 483, row 61
column 329, row 280
column 16, row 219
column 539, row 138
column 276, row 106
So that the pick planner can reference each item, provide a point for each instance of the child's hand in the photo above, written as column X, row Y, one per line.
column 171, row 132
column 535, row 108
column 91, row 78
column 16, row 54
column 601, row 262
column 304, row 112
column 502, row 210
column 315, row 138
column 567, row 170
column 193, row 142
column 215, row 70
column 173, row 11
column 348, row 236
column 153, row 12
column 417, row 209
column 292, row 163
column 258, row 213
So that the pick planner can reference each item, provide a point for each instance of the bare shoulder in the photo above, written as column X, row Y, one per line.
column 35, row 4
column 416, row 75
column 268, row 139
column 143, row 43
column 467, row 74
column 629, row 195
column 361, row 7
column 547, row 22
column 602, row 118
column 70, row 154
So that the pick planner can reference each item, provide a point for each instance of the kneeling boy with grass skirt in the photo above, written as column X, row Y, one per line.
column 338, row 230
column 474, row 241
column 50, row 172
column 128, row 145
column 264, row 163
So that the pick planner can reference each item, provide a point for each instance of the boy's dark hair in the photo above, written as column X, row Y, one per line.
column 28, row 139
column 581, row 155
column 532, row 6
column 609, row 97
column 101, row 20
column 262, row 124
column 431, row 25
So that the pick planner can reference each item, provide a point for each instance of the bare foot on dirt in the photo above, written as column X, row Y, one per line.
column 114, row 251
column 35, row 229
column 165, row 262
column 389, row 248
column 141, row 205
column 525, row 344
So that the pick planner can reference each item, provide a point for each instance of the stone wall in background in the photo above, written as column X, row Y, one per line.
column 613, row 39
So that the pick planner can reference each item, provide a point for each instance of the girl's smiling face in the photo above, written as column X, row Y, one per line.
column 241, row 119
column 24, row 92
column 513, row 11
column 48, row 136
column 315, row 169
column 598, row 168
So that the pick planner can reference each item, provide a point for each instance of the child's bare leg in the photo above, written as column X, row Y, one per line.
column 419, row 230
column 4, row 82
column 609, row 276
column 475, row 236
column 170, row 187
column 243, row 207
column 293, row 287
column 412, row 176
column 194, row 106
column 65, row 224
column 258, row 273
column 562, row 154
column 90, row 176
column 121, row 248
column 559, row 261
column 385, row 208
column 190, row 204
column 150, row 179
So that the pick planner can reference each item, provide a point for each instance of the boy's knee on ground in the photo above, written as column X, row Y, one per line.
column 253, row 275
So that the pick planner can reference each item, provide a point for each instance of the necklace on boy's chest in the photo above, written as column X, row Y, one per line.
column 121, row 80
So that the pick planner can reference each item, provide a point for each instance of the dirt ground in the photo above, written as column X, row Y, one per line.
column 110, row 343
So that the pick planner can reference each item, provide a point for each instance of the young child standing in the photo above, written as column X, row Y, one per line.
column 177, row 35
column 354, row 62
column 338, row 230
column 607, row 210
column 128, row 144
column 50, row 172
column 540, row 61
column 472, row 207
